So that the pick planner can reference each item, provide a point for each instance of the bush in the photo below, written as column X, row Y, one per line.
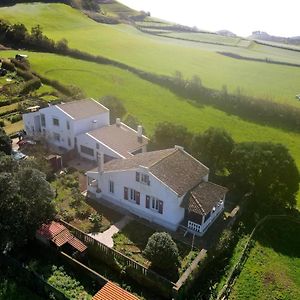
column 15, row 118
column 162, row 251
column 7, row 65
column 1, row 123
column 31, row 85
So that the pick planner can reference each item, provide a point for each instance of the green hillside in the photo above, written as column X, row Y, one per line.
column 164, row 55
column 272, row 270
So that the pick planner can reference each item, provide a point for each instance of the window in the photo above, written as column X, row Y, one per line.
column 154, row 204
column 132, row 195
column 97, row 146
column 143, row 178
column 111, row 187
column 69, row 142
column 87, row 150
column 125, row 193
column 56, row 137
column 68, row 125
column 55, row 122
column 43, row 120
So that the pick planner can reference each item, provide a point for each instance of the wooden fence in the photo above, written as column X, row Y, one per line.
column 113, row 257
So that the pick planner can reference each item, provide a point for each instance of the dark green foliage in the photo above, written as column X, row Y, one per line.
column 213, row 148
column 25, row 202
column 6, row 64
column 268, row 172
column 167, row 135
column 5, row 142
column 31, row 85
column 2, row 123
column 90, row 5
column 132, row 122
column 162, row 251
column 115, row 106
column 15, row 118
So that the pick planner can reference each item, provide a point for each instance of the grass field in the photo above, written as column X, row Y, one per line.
column 150, row 103
column 163, row 55
column 272, row 270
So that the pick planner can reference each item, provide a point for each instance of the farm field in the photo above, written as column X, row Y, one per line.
column 151, row 103
column 272, row 270
column 126, row 44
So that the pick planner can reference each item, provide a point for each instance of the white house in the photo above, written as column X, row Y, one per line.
column 168, row 187
column 113, row 141
column 61, row 124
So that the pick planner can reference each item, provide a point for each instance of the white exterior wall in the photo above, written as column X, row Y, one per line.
column 76, row 126
column 88, row 124
column 90, row 142
column 172, row 214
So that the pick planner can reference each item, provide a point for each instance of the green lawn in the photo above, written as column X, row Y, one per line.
column 162, row 55
column 152, row 104
column 272, row 270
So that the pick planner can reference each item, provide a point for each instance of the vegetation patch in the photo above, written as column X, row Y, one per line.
column 132, row 241
column 272, row 270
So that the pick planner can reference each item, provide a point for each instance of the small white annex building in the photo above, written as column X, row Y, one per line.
column 113, row 141
column 61, row 124
column 168, row 187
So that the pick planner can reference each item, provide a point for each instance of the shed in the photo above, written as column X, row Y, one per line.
column 57, row 234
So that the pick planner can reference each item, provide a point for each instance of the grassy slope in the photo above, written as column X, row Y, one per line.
column 150, row 103
column 273, row 269
column 126, row 44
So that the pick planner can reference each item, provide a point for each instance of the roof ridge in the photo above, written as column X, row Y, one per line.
column 169, row 154
column 198, row 203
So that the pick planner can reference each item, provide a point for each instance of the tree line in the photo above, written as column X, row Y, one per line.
column 263, row 173
column 253, row 109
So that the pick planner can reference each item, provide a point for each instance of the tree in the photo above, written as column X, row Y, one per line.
column 267, row 172
column 167, row 135
column 26, row 202
column 5, row 142
column 115, row 106
column 162, row 251
column 213, row 148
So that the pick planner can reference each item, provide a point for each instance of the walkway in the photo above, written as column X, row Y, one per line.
column 106, row 236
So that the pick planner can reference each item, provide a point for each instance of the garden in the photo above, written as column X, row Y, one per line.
column 72, row 207
column 132, row 241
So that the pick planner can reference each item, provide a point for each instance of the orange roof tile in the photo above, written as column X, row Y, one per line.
column 50, row 230
column 111, row 291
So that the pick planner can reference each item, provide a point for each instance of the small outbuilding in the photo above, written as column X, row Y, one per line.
column 58, row 235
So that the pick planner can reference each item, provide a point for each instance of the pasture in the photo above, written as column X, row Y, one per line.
column 164, row 55
column 272, row 270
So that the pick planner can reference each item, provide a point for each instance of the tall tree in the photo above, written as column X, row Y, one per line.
column 213, row 147
column 26, row 202
column 5, row 142
column 167, row 135
column 268, row 172
column 116, row 107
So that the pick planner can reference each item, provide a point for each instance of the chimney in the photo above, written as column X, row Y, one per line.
column 94, row 124
column 118, row 121
column 100, row 159
column 139, row 131
column 179, row 147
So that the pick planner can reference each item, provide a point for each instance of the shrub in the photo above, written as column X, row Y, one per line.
column 31, row 85
column 7, row 65
column 15, row 118
column 162, row 251
column 1, row 123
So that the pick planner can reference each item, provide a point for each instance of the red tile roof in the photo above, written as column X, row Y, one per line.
column 111, row 291
column 60, row 235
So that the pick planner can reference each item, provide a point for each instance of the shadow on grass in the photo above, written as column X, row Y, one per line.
column 282, row 236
